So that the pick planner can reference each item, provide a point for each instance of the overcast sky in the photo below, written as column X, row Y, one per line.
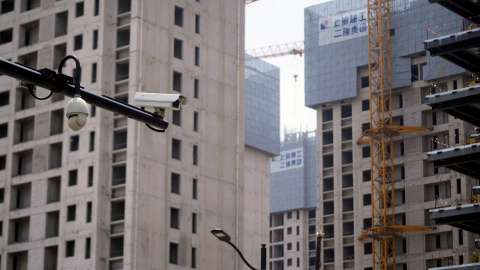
column 274, row 22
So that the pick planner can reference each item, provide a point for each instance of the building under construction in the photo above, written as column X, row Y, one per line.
column 117, row 195
column 425, row 176
column 293, row 199
column 460, row 47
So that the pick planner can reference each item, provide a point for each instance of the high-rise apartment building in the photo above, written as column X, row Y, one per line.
column 116, row 195
column 293, row 201
column 336, row 68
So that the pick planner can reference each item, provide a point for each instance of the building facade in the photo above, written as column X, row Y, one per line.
column 336, row 68
column 293, row 199
column 116, row 195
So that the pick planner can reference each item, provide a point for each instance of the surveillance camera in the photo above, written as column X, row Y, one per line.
column 160, row 101
column 77, row 112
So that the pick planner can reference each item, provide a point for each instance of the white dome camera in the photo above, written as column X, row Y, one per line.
column 77, row 113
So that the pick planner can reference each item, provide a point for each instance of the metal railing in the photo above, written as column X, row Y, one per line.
column 474, row 258
column 470, row 27
column 471, row 140
column 474, row 198
column 471, row 83
column 118, row 181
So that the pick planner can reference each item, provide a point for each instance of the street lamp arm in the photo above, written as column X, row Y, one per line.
column 63, row 84
column 241, row 255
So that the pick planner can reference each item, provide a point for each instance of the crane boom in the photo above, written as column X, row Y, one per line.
column 292, row 48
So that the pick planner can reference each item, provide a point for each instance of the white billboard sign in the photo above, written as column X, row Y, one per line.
column 287, row 160
column 343, row 26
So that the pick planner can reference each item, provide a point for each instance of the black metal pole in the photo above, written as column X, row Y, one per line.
column 263, row 257
column 241, row 255
column 48, row 79
column 318, row 261
column 78, row 71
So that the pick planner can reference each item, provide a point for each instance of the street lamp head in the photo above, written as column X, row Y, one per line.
column 221, row 235
column 224, row 237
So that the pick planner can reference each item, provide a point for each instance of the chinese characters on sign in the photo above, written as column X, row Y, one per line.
column 343, row 26
column 290, row 159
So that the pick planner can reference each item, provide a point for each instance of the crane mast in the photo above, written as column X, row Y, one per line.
column 380, row 134
column 381, row 143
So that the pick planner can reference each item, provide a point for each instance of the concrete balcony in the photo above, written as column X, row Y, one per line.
column 472, row 266
column 465, row 217
column 463, row 103
column 463, row 159
column 465, row 8
column 459, row 48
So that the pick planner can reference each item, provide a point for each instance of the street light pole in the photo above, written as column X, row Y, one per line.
column 224, row 237
column 263, row 257
column 60, row 83
column 318, row 261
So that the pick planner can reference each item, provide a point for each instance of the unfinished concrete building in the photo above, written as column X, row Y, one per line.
column 293, row 199
column 117, row 195
column 336, row 68
column 460, row 46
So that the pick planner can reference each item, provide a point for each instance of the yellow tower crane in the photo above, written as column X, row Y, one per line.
column 384, row 230
column 380, row 135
